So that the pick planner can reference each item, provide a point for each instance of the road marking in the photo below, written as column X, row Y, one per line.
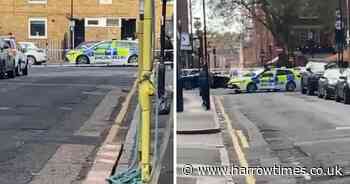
column 343, row 128
column 66, row 108
column 93, row 93
column 242, row 139
column 122, row 113
column 5, row 108
column 240, row 154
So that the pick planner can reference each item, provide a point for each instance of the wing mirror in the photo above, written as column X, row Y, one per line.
column 308, row 69
column 343, row 78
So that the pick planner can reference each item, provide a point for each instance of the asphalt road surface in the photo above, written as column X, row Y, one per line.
column 52, row 121
column 299, row 130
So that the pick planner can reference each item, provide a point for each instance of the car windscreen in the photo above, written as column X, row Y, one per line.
column 334, row 73
column 316, row 67
column 85, row 45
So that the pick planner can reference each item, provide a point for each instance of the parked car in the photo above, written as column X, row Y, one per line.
column 34, row 54
column 107, row 52
column 7, row 60
column 311, row 75
column 270, row 79
column 219, row 80
column 342, row 89
column 327, row 83
column 21, row 62
column 190, row 78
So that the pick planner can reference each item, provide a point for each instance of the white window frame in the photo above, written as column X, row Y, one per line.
column 37, row 2
column 119, row 19
column 37, row 19
column 100, row 22
column 105, row 1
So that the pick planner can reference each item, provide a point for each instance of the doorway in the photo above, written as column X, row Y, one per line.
column 128, row 29
column 79, row 32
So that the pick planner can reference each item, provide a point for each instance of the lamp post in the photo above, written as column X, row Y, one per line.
column 206, row 91
column 161, row 74
column 71, row 24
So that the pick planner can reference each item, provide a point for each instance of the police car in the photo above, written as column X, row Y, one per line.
column 270, row 79
column 105, row 52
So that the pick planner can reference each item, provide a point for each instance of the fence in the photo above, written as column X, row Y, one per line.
column 55, row 50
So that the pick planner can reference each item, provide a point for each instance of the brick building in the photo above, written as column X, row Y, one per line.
column 47, row 22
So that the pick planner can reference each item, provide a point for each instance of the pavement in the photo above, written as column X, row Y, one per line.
column 54, row 120
column 291, row 130
column 200, row 141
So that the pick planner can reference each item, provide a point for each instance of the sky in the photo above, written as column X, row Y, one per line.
column 213, row 24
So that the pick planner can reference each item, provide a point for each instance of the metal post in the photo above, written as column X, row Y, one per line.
column 161, row 75
column 71, row 26
column 191, row 38
column 206, row 66
column 146, row 90
column 179, row 85
column 140, row 66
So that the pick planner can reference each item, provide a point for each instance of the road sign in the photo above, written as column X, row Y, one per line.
column 185, row 42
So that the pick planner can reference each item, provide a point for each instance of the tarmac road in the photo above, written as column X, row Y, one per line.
column 52, row 121
column 299, row 130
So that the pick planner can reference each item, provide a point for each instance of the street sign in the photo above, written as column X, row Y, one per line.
column 185, row 41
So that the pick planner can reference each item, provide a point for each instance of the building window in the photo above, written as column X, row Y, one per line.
column 37, row 28
column 37, row 1
column 93, row 22
column 102, row 22
column 105, row 1
column 112, row 22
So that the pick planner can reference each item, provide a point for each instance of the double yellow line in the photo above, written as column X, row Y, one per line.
column 238, row 139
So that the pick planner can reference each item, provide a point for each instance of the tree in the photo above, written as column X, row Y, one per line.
column 278, row 16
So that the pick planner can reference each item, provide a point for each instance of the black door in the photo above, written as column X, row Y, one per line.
column 128, row 29
column 79, row 32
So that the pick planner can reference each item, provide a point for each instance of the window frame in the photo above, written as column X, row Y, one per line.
column 37, row 19
column 37, row 1
column 119, row 21
column 105, row 2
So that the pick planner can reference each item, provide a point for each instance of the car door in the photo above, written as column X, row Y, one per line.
column 341, row 83
column 281, row 79
column 122, row 52
column 101, row 54
column 266, row 80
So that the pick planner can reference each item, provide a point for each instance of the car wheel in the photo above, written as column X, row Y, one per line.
column 12, row 73
column 310, row 90
column 303, row 90
column 290, row 86
column 133, row 59
column 326, row 95
column 251, row 88
column 19, row 69
column 319, row 92
column 83, row 60
column 337, row 97
column 32, row 60
column 25, row 70
column 346, row 96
